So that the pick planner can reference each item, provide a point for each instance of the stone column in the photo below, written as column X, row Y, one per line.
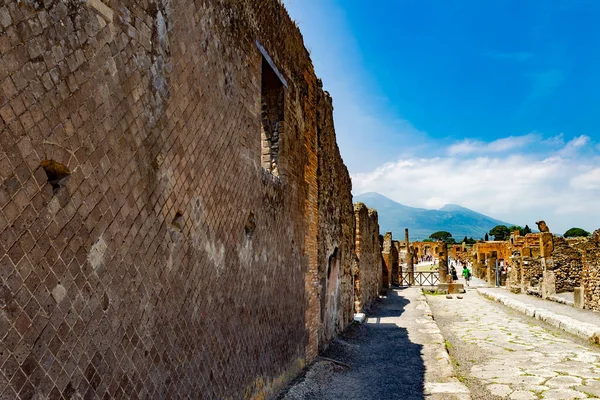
column 548, row 277
column 443, row 261
column 410, row 266
column 491, row 271
column 578, row 297
column 514, row 277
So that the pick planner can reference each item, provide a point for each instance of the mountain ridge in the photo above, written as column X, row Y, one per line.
column 421, row 222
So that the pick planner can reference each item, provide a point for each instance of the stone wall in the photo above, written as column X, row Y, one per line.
column 368, row 277
column 336, row 229
column 389, row 254
column 531, row 271
column 163, row 190
column 590, row 276
column 566, row 263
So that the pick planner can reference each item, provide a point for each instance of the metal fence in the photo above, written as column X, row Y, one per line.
column 421, row 279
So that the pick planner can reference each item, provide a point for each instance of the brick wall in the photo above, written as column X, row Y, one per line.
column 566, row 263
column 389, row 253
column 368, row 251
column 168, row 262
column 336, row 229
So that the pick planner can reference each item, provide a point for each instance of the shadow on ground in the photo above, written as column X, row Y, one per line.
column 385, row 364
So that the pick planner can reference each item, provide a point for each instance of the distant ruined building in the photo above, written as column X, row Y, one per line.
column 544, row 264
column 176, row 217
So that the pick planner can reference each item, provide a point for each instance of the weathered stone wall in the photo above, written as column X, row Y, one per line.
column 368, row 276
column 566, row 263
column 336, row 229
column 591, row 271
column 169, row 262
column 425, row 249
column 502, row 249
column 531, row 271
column 389, row 254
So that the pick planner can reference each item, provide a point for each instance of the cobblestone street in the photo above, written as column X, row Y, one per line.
column 502, row 354
column 398, row 353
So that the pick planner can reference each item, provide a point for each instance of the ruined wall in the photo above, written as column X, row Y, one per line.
column 531, row 271
column 425, row 249
column 501, row 248
column 389, row 253
column 368, row 276
column 336, row 229
column 566, row 263
column 590, row 276
column 160, row 209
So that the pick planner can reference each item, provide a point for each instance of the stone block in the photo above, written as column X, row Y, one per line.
column 450, row 288
column 548, row 287
column 578, row 297
column 546, row 244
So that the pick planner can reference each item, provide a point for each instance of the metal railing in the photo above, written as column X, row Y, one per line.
column 430, row 278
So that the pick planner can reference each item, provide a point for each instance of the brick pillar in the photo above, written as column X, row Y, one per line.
column 410, row 265
column 491, row 271
column 443, row 261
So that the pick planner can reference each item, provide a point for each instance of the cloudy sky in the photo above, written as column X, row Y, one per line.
column 491, row 105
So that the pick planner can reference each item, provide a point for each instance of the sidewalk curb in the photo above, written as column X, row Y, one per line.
column 451, row 387
column 575, row 327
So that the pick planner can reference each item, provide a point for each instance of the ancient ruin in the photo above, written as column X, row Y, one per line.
column 368, row 274
column 177, row 218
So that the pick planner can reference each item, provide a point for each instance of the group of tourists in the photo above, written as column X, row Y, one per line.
column 427, row 258
column 466, row 272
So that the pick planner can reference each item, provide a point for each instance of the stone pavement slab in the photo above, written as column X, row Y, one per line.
column 581, row 323
column 504, row 354
column 398, row 353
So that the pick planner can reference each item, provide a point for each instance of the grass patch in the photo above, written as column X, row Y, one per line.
column 433, row 293
column 448, row 345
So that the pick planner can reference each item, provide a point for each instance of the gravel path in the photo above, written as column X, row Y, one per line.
column 502, row 354
column 397, row 354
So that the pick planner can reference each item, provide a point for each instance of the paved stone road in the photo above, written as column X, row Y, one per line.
column 502, row 354
column 397, row 354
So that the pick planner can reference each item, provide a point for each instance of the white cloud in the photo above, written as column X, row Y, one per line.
column 469, row 146
column 587, row 181
column 559, row 186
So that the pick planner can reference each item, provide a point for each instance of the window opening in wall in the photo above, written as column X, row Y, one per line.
column 56, row 172
column 272, row 116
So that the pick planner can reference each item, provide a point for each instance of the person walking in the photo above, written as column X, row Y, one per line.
column 454, row 275
column 467, row 275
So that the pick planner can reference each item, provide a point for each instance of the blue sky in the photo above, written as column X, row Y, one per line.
column 491, row 105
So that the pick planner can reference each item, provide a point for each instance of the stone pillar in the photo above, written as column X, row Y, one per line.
column 514, row 276
column 548, row 284
column 491, row 271
column 578, row 297
column 410, row 266
column 386, row 253
column 546, row 247
column 443, row 261
column 546, row 244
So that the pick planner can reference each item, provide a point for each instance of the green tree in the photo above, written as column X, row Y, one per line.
column 526, row 230
column 576, row 232
column 471, row 241
column 443, row 236
column 500, row 232
column 486, row 237
column 513, row 228
column 465, row 240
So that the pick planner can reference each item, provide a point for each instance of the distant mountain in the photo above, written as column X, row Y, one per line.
column 459, row 221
